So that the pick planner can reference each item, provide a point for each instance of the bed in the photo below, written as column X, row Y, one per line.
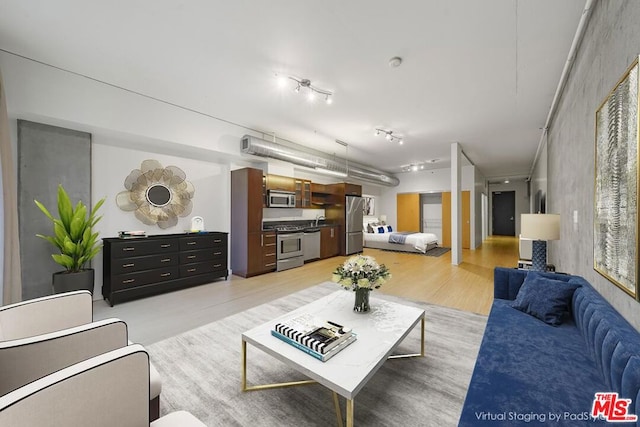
column 415, row 242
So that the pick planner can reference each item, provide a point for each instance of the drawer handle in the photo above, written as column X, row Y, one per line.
column 217, row 253
column 128, row 281
column 271, row 264
column 128, row 265
column 217, row 265
column 165, row 260
column 271, row 254
column 217, row 240
column 269, row 235
column 191, row 257
column 270, row 244
column 192, row 243
column 166, row 245
column 165, row 274
column 191, row 270
column 128, row 248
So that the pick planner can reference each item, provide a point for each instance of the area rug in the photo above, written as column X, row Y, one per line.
column 201, row 373
column 437, row 251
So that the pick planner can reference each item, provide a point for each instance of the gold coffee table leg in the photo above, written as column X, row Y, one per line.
column 421, row 354
column 336, row 403
column 349, row 412
column 243, row 380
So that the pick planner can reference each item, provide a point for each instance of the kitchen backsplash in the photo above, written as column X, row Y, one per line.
column 290, row 214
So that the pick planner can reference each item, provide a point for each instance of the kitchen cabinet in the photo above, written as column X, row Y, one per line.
column 263, row 245
column 303, row 193
column 282, row 183
column 352, row 189
column 329, row 241
column 145, row 266
column 252, row 250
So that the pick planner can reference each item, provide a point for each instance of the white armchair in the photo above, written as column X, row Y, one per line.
column 59, row 324
column 111, row 389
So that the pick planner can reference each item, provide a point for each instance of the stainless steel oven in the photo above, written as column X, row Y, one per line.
column 290, row 251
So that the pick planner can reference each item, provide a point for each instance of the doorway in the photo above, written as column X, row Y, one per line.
column 504, row 213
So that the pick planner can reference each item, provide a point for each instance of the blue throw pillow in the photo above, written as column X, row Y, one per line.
column 547, row 299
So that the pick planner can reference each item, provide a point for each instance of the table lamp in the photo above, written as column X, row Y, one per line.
column 539, row 228
column 383, row 219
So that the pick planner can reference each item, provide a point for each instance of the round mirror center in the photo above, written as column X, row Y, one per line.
column 158, row 195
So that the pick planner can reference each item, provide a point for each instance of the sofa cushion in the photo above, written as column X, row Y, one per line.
column 545, row 298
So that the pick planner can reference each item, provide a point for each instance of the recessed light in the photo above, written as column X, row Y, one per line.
column 395, row 62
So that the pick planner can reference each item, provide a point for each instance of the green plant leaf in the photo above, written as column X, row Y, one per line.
column 64, row 206
column 77, row 226
column 44, row 210
column 64, row 260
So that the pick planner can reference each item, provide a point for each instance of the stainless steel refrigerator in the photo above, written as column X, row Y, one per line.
column 353, row 224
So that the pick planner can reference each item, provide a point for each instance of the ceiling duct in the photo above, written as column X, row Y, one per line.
column 317, row 160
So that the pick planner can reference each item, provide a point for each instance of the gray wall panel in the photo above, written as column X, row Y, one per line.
column 47, row 156
column 610, row 44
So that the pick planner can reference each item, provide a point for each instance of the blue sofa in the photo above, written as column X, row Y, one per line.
column 529, row 372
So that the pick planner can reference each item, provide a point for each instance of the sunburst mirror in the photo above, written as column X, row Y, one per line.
column 157, row 195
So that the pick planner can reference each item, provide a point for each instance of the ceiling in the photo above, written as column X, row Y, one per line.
column 480, row 73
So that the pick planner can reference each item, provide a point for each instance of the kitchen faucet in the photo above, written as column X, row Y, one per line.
column 319, row 217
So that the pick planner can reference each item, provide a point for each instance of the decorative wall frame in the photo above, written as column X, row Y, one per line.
column 368, row 207
column 157, row 195
column 615, row 234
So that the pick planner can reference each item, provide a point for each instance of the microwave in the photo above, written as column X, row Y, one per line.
column 281, row 199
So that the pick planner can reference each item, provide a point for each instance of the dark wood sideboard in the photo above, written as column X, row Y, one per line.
column 143, row 266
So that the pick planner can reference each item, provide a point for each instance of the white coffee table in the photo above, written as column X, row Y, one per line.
column 379, row 332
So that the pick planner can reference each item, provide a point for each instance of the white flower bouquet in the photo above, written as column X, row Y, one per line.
column 361, row 272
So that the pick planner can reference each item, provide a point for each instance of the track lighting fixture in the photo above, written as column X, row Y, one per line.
column 389, row 136
column 312, row 90
column 418, row 166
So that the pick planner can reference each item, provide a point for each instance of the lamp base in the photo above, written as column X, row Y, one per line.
column 539, row 255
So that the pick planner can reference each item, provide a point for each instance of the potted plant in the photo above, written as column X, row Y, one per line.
column 75, row 240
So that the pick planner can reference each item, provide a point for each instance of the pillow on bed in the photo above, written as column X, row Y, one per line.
column 372, row 226
column 388, row 229
column 380, row 229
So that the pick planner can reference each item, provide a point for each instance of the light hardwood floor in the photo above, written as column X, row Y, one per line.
column 468, row 286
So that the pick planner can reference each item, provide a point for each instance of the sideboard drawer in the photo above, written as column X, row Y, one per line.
column 190, row 243
column 130, row 265
column 135, row 247
column 124, row 281
column 201, row 268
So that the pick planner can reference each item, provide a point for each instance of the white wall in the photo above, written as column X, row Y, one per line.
column 539, row 178
column 481, row 187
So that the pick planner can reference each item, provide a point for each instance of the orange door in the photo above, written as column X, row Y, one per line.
column 408, row 212
column 466, row 219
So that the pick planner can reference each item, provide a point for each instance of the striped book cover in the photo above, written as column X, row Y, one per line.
column 320, row 337
column 323, row 357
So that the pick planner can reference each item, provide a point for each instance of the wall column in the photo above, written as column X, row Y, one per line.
column 456, row 204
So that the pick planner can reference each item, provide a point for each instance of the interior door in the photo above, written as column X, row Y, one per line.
column 504, row 213
column 466, row 219
column 408, row 211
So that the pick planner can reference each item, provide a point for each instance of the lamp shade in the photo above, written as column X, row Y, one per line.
column 383, row 218
column 540, row 226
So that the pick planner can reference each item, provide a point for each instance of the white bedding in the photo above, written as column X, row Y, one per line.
column 418, row 241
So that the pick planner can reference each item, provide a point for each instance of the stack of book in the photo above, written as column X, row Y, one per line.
column 131, row 234
column 322, row 340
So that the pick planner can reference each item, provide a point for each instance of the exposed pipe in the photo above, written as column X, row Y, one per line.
column 577, row 38
column 316, row 160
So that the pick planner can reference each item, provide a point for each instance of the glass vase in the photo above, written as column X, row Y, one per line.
column 362, row 300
